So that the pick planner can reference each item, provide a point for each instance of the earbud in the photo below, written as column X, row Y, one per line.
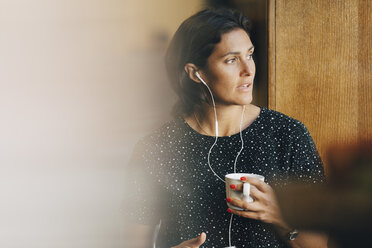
column 198, row 76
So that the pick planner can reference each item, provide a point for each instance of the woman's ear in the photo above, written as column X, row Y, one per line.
column 191, row 70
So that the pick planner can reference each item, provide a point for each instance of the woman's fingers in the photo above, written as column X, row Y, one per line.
column 246, row 214
column 260, row 185
column 256, row 194
column 264, row 207
column 193, row 243
column 198, row 241
column 250, row 206
column 237, row 186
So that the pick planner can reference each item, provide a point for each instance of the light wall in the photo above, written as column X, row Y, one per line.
column 78, row 84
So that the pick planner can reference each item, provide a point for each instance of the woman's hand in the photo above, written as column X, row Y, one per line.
column 193, row 243
column 264, row 207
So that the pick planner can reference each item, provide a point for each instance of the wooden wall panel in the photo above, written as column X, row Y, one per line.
column 365, row 69
column 320, row 67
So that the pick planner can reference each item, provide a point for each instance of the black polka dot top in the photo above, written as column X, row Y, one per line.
column 169, row 178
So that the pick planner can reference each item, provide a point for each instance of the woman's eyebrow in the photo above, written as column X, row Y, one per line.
column 236, row 53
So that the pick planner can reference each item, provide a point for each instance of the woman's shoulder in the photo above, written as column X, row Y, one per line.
column 282, row 121
column 164, row 134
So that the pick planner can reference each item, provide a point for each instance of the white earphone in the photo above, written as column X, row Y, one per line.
column 198, row 76
column 216, row 137
column 214, row 104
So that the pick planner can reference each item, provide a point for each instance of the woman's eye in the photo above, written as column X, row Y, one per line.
column 250, row 56
column 230, row 61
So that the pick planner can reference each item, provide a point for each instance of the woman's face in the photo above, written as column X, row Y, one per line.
column 230, row 69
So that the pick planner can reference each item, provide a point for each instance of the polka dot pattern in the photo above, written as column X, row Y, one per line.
column 182, row 191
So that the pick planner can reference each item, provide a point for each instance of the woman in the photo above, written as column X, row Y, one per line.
column 211, row 68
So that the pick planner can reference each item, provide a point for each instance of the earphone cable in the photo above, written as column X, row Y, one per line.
column 215, row 141
column 231, row 218
column 241, row 138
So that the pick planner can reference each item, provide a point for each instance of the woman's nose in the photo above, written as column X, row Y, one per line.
column 247, row 68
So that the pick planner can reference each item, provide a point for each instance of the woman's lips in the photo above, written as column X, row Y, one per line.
column 245, row 87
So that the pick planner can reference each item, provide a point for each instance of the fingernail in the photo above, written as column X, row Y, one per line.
column 232, row 186
column 228, row 199
column 229, row 210
column 243, row 178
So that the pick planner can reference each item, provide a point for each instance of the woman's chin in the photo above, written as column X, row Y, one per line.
column 246, row 100
column 241, row 100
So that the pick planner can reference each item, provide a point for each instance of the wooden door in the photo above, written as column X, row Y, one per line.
column 320, row 67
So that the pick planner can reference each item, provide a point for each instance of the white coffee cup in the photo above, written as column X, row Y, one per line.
column 234, row 178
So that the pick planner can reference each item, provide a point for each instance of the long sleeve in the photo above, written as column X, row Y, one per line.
column 143, row 199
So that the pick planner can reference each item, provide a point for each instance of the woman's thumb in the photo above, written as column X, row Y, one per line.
column 201, row 239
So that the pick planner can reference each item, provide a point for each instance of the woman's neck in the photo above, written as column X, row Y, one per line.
column 229, row 118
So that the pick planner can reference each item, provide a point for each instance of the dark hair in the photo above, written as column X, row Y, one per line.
column 194, row 42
